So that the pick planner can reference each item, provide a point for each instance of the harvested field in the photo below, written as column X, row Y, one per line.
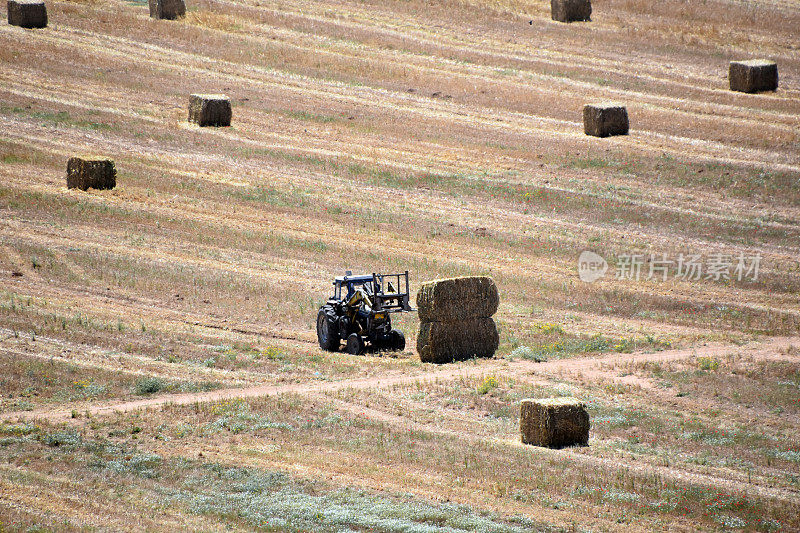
column 157, row 345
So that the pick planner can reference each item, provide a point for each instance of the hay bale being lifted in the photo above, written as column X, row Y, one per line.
column 603, row 120
column 210, row 110
column 27, row 13
column 167, row 9
column 554, row 422
column 91, row 172
column 445, row 342
column 448, row 300
column 753, row 76
column 571, row 10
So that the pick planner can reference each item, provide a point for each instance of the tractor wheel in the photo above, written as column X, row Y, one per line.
column 397, row 340
column 327, row 336
column 354, row 344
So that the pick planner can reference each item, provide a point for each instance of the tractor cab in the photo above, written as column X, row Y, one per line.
column 387, row 292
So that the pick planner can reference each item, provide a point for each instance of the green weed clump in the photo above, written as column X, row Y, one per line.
column 489, row 383
column 88, row 388
column 144, row 465
column 62, row 438
column 149, row 385
column 708, row 363
column 526, row 352
column 18, row 430
column 546, row 328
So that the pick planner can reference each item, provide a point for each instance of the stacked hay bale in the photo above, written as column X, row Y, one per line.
column 554, row 422
column 753, row 76
column 210, row 110
column 27, row 13
column 604, row 119
column 167, row 9
column 456, row 319
column 570, row 10
column 91, row 172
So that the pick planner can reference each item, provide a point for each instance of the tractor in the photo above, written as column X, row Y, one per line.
column 359, row 313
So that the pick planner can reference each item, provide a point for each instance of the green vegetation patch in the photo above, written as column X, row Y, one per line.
column 61, row 118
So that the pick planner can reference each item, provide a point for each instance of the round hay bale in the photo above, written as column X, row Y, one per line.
column 554, row 422
column 753, row 76
column 450, row 300
column 91, row 172
column 445, row 342
column 27, row 13
column 210, row 110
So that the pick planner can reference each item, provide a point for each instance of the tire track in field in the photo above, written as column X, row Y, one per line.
column 131, row 365
column 517, row 368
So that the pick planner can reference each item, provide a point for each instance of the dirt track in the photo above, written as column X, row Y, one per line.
column 520, row 369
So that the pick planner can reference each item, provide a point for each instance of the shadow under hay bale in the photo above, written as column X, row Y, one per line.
column 753, row 76
column 571, row 10
column 210, row 110
column 27, row 13
column 554, row 422
column 90, row 172
column 603, row 120
column 445, row 342
column 167, row 9
column 449, row 300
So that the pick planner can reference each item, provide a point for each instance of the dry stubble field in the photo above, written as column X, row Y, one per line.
column 158, row 361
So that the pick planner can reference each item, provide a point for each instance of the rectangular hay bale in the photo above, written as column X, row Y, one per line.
column 167, row 9
column 210, row 110
column 91, row 172
column 27, row 13
column 603, row 120
column 445, row 342
column 449, row 300
column 554, row 422
column 753, row 76
column 571, row 10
